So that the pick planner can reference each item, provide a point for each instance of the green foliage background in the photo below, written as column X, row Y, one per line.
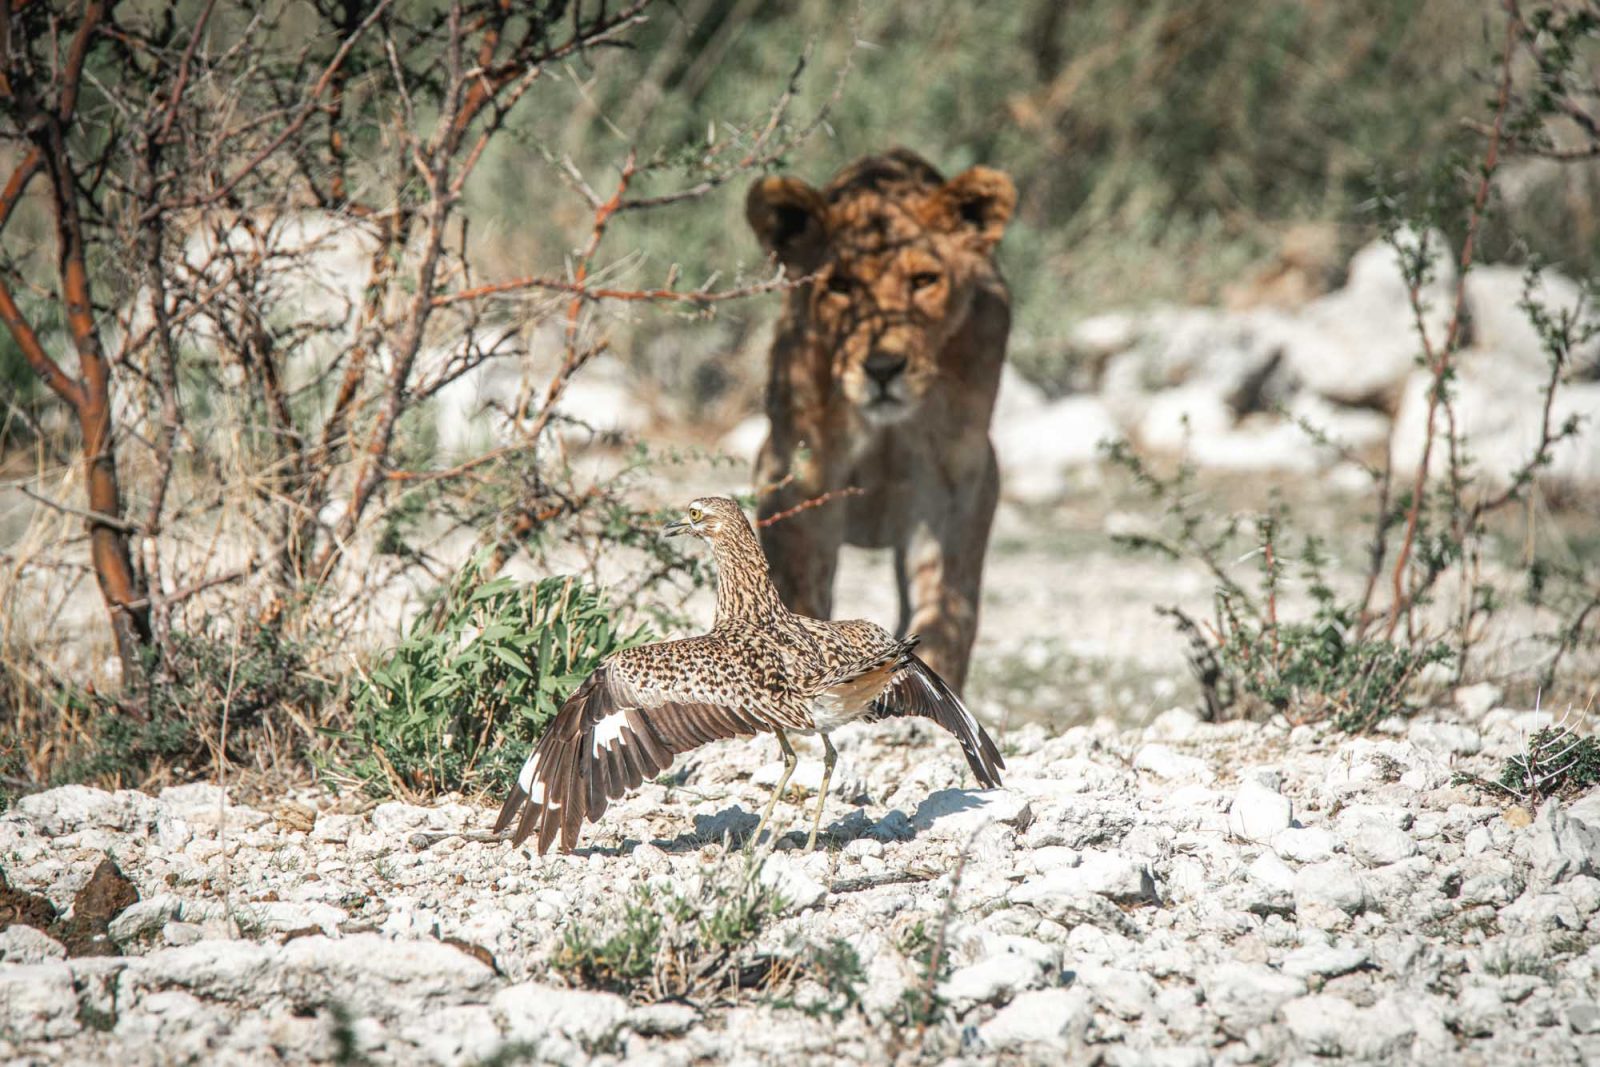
column 1159, row 149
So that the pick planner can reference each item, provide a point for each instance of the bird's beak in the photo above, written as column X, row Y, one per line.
column 677, row 528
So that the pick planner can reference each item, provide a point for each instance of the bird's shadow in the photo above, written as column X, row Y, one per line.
column 732, row 826
column 947, row 802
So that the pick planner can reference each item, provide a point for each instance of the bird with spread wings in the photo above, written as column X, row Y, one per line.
column 761, row 669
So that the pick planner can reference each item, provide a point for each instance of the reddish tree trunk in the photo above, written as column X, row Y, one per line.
column 125, row 597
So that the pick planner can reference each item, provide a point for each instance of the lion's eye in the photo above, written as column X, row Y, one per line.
column 840, row 283
column 924, row 279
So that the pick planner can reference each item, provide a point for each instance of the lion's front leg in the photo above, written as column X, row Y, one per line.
column 946, row 555
column 802, row 548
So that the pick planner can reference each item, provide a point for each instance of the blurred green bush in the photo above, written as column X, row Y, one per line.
column 1160, row 149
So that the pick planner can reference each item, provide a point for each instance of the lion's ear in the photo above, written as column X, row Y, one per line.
column 787, row 215
column 979, row 200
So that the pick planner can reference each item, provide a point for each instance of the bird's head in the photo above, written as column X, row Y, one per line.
column 710, row 518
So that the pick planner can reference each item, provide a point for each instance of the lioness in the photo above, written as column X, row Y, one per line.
column 883, row 377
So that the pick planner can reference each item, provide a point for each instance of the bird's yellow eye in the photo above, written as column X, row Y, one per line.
column 695, row 514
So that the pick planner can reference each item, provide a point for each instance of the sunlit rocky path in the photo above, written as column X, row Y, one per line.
column 1182, row 894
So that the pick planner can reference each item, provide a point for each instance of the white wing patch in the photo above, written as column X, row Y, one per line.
column 529, row 769
column 535, row 790
column 608, row 730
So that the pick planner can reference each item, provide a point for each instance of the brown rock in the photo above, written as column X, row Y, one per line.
column 107, row 893
column 291, row 815
column 20, row 906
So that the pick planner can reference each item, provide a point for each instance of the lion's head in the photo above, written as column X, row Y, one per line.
column 895, row 253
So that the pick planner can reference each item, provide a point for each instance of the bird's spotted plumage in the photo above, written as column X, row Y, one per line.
column 761, row 669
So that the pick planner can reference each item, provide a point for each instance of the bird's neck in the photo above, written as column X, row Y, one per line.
column 744, row 587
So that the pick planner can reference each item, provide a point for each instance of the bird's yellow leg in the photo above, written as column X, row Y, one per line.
column 789, row 762
column 828, row 757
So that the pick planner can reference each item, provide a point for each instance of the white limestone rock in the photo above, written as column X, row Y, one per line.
column 662, row 1020
column 1304, row 844
column 1445, row 738
column 1477, row 700
column 144, row 918
column 1500, row 409
column 184, row 800
column 1583, row 1016
column 1168, row 765
column 1326, row 1025
column 1247, row 995
column 1050, row 1018
column 531, row 1011
column 1174, row 724
column 217, row 970
column 1039, row 449
column 1271, row 873
column 958, row 813
column 1500, row 324
column 1477, row 1011
column 72, row 808
column 394, row 819
column 1324, row 961
column 744, row 441
column 1176, row 419
column 1125, row 993
column 792, row 882
column 1329, row 884
column 37, row 1001
column 1321, row 1024
column 456, row 1034
column 1558, row 847
column 20, row 943
column 1363, row 765
column 1376, row 837
column 1057, row 914
column 1099, row 873
column 1258, row 812
column 1490, row 879
column 995, row 979
column 1360, row 342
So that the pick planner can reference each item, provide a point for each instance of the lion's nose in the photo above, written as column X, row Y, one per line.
column 884, row 367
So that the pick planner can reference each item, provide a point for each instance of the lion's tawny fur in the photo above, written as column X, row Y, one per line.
column 883, row 376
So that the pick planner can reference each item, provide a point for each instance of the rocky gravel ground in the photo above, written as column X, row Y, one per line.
column 1182, row 894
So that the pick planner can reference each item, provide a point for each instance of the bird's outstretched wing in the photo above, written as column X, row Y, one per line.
column 614, row 732
column 914, row 689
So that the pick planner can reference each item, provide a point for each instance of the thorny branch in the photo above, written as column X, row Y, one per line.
column 267, row 233
column 1438, row 358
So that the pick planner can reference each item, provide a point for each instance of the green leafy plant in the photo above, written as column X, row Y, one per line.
column 695, row 944
column 1556, row 761
column 1431, row 593
column 623, row 955
column 835, row 968
column 456, row 705
column 1250, row 658
column 1323, row 666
